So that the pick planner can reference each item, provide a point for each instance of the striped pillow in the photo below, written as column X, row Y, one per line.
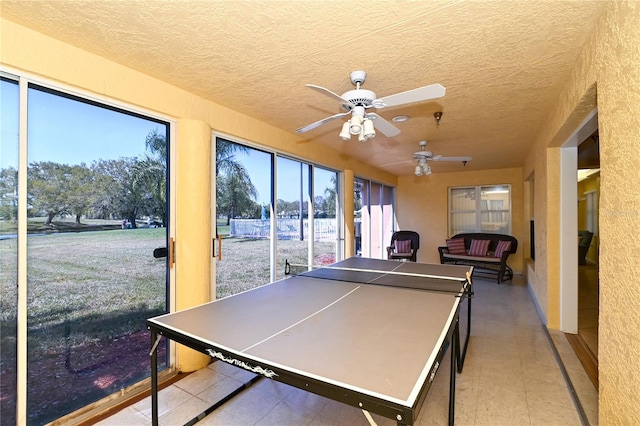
column 403, row 246
column 502, row 247
column 456, row 246
column 479, row 247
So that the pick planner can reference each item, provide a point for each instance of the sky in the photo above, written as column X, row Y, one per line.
column 257, row 164
column 66, row 131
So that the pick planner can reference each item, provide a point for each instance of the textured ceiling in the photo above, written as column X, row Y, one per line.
column 502, row 62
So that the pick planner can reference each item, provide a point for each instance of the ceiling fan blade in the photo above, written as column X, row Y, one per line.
column 329, row 93
column 425, row 93
column 383, row 125
column 441, row 158
column 320, row 122
column 395, row 162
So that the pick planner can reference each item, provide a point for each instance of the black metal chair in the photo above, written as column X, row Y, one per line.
column 408, row 255
column 583, row 246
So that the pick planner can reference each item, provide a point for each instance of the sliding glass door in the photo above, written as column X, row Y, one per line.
column 243, row 216
column 270, row 210
column 95, row 185
column 326, row 225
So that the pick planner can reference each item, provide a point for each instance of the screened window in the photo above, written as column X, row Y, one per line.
column 480, row 209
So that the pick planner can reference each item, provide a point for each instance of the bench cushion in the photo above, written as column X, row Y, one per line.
column 489, row 259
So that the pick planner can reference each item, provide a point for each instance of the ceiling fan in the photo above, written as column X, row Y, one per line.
column 423, row 156
column 356, row 102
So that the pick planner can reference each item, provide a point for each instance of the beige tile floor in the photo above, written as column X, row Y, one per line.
column 510, row 377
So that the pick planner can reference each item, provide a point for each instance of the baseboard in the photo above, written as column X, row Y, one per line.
column 587, row 358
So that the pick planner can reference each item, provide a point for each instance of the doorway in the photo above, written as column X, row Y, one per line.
column 580, row 187
column 588, row 249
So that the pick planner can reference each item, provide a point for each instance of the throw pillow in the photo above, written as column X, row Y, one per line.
column 456, row 246
column 479, row 247
column 403, row 246
column 501, row 248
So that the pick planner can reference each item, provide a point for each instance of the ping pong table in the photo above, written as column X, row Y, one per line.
column 366, row 332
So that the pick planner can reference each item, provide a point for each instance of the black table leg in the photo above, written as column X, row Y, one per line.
column 154, row 378
column 452, row 380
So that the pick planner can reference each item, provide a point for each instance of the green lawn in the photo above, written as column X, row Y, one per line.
column 89, row 294
column 88, row 285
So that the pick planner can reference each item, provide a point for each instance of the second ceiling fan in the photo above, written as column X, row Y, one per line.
column 356, row 102
column 423, row 157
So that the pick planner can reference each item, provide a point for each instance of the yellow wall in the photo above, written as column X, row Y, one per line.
column 609, row 63
column 422, row 205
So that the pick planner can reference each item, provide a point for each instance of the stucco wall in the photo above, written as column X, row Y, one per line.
column 423, row 207
column 607, row 74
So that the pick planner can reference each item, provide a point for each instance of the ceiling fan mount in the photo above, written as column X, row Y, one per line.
column 357, row 101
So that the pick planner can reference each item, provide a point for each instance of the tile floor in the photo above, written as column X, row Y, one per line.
column 510, row 377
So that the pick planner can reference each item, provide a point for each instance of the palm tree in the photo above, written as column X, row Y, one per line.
column 225, row 159
column 235, row 191
column 150, row 175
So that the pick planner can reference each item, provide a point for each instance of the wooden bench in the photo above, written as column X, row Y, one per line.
column 487, row 264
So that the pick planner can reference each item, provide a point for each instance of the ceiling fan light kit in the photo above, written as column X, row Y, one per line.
column 357, row 101
column 423, row 169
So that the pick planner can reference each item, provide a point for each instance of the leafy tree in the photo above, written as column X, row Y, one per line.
column 288, row 208
column 81, row 194
column 49, row 187
column 119, row 195
column 9, row 193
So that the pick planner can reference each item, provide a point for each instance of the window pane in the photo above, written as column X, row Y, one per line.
column 97, row 210
column 376, row 222
column 325, row 219
column 462, row 223
column 292, row 190
column 361, row 216
column 387, row 216
column 462, row 199
column 9, row 124
column 243, row 208
column 489, row 212
column 495, row 214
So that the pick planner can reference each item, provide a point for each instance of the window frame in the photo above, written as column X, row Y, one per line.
column 478, row 209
